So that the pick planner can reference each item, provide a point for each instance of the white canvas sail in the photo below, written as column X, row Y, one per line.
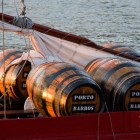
column 56, row 49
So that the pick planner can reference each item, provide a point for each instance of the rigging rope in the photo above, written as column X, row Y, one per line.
column 3, row 47
column 23, row 8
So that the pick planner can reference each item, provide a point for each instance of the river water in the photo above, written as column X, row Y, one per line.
column 101, row 21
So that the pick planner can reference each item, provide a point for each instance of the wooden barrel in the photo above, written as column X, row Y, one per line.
column 14, row 82
column 122, row 49
column 6, row 57
column 60, row 89
column 120, row 81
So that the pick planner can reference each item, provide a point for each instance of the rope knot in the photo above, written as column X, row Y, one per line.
column 23, row 22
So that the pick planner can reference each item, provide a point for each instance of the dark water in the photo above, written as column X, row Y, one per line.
column 101, row 21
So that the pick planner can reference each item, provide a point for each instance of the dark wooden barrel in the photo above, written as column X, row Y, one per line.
column 60, row 89
column 123, row 49
column 14, row 82
column 120, row 81
column 6, row 57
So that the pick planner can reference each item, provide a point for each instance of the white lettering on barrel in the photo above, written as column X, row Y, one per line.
column 135, row 94
column 83, row 108
column 84, row 97
column 25, row 74
column 74, row 108
column 23, row 85
column 134, row 106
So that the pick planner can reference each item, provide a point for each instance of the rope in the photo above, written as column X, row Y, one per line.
column 3, row 47
column 111, row 125
column 23, row 8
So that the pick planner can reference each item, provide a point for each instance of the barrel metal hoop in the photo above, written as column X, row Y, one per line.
column 35, row 82
column 102, row 62
column 54, row 75
column 32, row 95
column 110, row 72
column 13, row 87
column 90, row 64
column 9, row 55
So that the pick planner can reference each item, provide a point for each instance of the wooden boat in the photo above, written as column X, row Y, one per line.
column 104, row 125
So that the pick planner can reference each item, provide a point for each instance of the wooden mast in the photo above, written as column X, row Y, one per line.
column 70, row 37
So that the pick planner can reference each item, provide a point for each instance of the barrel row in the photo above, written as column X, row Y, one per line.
column 60, row 89
column 55, row 88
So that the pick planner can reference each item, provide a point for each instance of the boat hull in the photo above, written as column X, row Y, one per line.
column 103, row 126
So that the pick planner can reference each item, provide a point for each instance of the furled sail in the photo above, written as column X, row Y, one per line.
column 56, row 49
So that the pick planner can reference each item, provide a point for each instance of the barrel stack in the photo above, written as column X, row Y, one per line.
column 61, row 89
column 120, row 81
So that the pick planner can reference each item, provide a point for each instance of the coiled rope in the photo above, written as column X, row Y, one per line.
column 23, row 22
